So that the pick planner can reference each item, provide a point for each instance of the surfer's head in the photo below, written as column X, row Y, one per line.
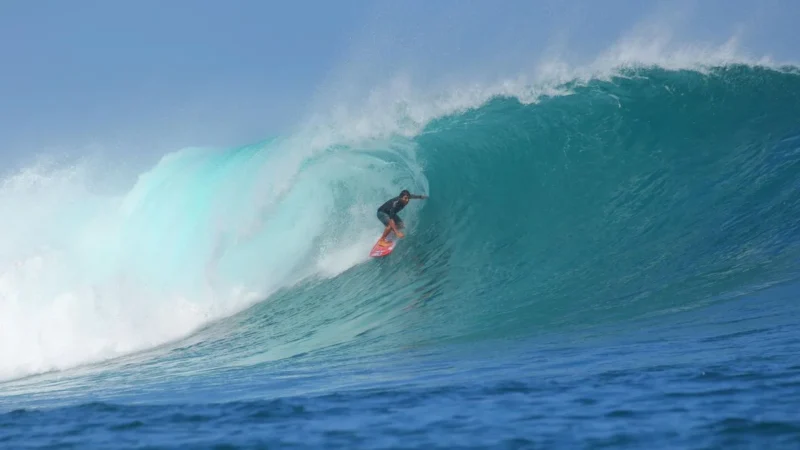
column 405, row 196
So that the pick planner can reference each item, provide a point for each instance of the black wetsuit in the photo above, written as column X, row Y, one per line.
column 389, row 210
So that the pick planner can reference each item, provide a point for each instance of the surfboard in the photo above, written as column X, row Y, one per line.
column 379, row 251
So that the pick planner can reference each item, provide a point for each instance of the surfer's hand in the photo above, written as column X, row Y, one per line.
column 400, row 234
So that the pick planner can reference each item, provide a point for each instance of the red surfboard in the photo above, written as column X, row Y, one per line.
column 379, row 251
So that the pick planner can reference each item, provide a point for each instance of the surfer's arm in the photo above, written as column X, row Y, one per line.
column 418, row 197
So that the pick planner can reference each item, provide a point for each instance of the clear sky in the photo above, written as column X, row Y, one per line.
column 140, row 78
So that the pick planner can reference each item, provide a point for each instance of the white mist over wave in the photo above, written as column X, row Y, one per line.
column 404, row 104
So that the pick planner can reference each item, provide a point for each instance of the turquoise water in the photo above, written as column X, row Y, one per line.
column 614, row 264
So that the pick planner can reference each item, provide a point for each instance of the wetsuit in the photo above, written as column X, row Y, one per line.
column 389, row 210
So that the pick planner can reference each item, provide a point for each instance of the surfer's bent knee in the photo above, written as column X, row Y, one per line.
column 384, row 218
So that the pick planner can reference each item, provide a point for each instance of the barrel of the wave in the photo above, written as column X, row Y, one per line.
column 387, row 214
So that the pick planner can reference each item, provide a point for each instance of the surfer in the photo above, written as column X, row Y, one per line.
column 387, row 214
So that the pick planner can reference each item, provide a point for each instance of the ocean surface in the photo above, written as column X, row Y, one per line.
column 609, row 261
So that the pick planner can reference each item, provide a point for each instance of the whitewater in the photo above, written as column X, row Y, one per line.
column 608, row 257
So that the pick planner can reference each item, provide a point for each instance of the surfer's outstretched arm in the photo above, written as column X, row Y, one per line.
column 418, row 197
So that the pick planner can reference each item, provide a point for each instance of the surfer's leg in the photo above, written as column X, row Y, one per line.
column 386, row 232
column 397, row 225
column 387, row 222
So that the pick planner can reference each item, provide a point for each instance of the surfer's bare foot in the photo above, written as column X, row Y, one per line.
column 383, row 243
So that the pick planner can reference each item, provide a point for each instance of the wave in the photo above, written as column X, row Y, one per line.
column 201, row 235
column 563, row 205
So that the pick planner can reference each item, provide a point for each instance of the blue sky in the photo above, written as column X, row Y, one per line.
column 136, row 79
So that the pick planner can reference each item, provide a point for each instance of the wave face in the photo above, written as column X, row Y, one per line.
column 637, row 195
column 651, row 192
